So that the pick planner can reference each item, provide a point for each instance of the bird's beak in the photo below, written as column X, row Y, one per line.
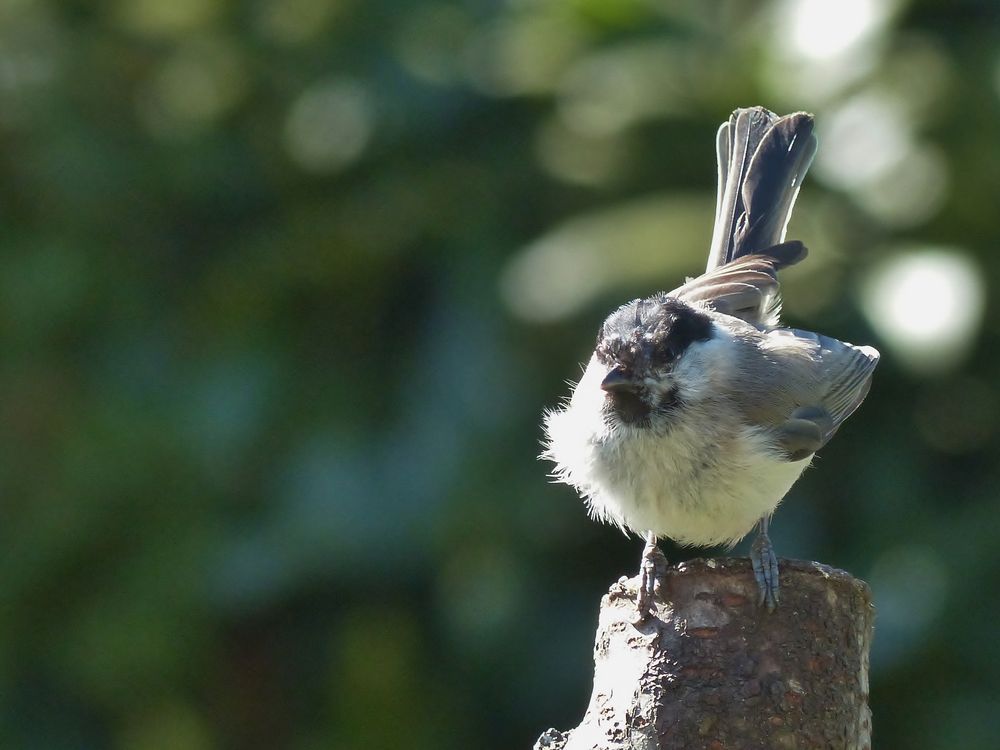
column 617, row 381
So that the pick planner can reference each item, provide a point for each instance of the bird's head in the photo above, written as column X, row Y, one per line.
column 641, row 344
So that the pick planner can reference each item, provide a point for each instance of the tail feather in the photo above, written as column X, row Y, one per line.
column 762, row 161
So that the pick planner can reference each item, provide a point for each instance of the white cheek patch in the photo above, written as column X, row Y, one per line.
column 706, row 368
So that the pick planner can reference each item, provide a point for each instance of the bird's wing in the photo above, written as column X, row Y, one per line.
column 811, row 385
column 746, row 288
column 763, row 159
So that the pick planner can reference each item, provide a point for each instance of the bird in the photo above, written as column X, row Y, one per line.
column 698, row 410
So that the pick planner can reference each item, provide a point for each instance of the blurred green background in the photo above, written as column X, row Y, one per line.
column 286, row 284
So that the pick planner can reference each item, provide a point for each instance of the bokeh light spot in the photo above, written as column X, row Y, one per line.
column 927, row 305
column 294, row 22
column 610, row 90
column 431, row 40
column 821, row 29
column 329, row 125
column 159, row 18
column 863, row 140
column 577, row 157
column 526, row 55
column 819, row 48
column 200, row 83
column 911, row 192
column 643, row 241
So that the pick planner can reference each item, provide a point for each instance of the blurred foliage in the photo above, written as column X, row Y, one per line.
column 286, row 284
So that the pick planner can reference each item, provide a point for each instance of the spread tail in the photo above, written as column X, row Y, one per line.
column 763, row 159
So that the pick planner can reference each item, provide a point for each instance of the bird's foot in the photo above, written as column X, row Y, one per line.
column 652, row 568
column 765, row 568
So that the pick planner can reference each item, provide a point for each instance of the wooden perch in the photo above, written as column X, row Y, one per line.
column 714, row 671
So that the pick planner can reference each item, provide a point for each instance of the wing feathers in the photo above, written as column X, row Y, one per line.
column 746, row 288
column 840, row 379
column 851, row 378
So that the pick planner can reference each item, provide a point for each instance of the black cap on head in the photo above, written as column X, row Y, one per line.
column 650, row 333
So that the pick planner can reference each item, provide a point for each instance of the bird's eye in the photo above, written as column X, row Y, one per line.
column 670, row 351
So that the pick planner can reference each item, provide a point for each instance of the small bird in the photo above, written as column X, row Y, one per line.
column 697, row 411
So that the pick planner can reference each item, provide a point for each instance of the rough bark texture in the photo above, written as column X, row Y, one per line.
column 714, row 671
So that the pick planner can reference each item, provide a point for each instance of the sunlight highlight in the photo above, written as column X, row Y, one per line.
column 927, row 305
column 822, row 29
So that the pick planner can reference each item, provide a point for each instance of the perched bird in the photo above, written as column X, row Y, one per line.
column 697, row 412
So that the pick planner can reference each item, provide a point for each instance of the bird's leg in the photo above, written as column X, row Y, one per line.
column 765, row 567
column 652, row 566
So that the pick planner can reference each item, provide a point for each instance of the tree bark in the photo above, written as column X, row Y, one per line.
column 714, row 671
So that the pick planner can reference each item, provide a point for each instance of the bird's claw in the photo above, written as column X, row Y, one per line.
column 652, row 568
column 765, row 570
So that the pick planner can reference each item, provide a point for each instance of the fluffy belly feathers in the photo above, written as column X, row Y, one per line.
column 695, row 487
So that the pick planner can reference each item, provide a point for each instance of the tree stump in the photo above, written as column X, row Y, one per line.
column 714, row 671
